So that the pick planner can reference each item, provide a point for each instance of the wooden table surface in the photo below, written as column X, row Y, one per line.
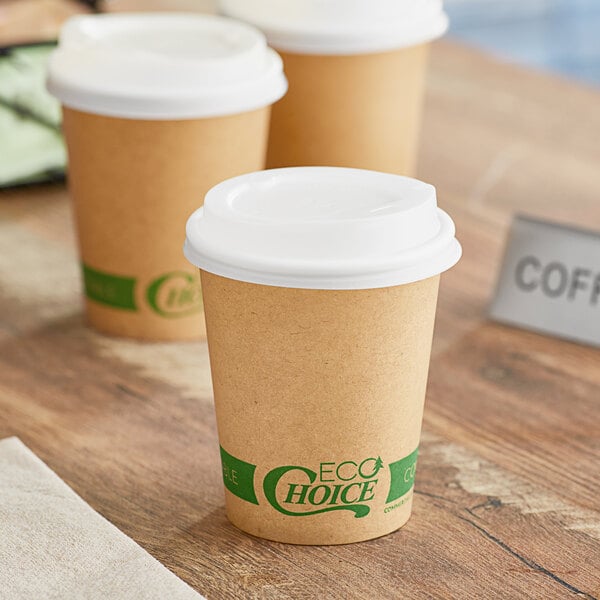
column 508, row 486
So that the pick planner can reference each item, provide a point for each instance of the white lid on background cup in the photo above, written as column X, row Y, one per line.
column 322, row 228
column 164, row 66
column 342, row 26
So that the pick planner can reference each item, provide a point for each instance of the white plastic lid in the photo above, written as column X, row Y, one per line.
column 322, row 228
column 164, row 66
column 342, row 26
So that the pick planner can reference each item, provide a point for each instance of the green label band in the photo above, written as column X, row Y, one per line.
column 297, row 491
column 238, row 477
column 173, row 295
column 402, row 475
column 112, row 290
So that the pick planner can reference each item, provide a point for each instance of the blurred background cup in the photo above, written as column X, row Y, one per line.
column 320, row 289
column 157, row 109
column 356, row 70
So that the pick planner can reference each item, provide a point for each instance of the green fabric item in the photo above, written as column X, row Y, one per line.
column 31, row 143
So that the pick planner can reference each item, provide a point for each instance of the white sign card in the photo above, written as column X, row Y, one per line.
column 550, row 281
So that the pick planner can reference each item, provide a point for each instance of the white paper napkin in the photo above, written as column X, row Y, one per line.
column 55, row 546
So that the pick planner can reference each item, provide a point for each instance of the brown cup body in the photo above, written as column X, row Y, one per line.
column 319, row 401
column 134, row 183
column 361, row 111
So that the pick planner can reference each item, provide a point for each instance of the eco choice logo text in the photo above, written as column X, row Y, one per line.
column 298, row 491
column 175, row 295
column 348, row 485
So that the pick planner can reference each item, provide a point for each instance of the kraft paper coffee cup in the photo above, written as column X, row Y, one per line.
column 320, row 289
column 158, row 108
column 356, row 70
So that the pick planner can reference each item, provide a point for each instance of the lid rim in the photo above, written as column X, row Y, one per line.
column 347, row 45
column 77, row 102
column 325, row 282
